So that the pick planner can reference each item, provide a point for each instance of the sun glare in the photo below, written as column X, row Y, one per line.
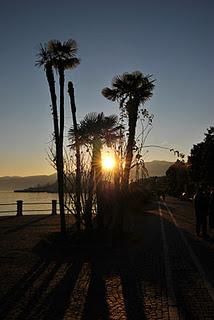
column 108, row 162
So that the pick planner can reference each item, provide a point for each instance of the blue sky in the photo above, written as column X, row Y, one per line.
column 173, row 40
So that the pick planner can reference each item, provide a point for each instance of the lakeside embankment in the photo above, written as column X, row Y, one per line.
column 10, row 198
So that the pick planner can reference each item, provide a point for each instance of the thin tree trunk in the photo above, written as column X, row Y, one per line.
column 98, row 182
column 129, row 149
column 78, row 159
column 62, row 117
column 61, row 159
column 89, row 201
column 60, row 174
column 51, row 82
column 132, row 121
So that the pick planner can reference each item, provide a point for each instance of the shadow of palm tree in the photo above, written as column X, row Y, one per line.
column 55, row 304
column 110, row 265
column 133, row 295
column 25, row 225
column 130, row 269
column 96, row 306
column 9, row 300
column 43, row 292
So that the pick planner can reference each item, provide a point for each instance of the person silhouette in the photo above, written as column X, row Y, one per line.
column 211, row 209
column 201, row 204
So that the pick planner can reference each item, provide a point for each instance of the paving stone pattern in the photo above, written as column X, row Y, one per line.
column 123, row 280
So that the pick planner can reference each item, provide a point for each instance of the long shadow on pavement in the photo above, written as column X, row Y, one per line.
column 137, row 260
column 44, row 292
column 27, row 224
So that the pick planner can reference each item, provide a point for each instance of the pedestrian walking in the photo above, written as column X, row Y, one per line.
column 201, row 204
column 163, row 195
column 211, row 209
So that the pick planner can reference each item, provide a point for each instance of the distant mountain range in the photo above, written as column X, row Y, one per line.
column 155, row 168
column 12, row 183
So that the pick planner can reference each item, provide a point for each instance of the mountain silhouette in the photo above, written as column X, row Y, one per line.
column 158, row 167
column 11, row 183
column 155, row 168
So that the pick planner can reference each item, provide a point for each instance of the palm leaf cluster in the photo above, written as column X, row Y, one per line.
column 130, row 86
column 58, row 54
column 96, row 126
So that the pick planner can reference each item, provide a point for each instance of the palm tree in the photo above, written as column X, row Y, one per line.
column 63, row 58
column 130, row 90
column 95, row 130
column 60, row 56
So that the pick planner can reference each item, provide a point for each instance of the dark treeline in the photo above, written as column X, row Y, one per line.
column 186, row 177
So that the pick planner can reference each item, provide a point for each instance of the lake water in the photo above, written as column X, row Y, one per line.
column 30, row 202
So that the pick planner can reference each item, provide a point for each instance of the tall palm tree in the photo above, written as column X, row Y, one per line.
column 95, row 130
column 130, row 90
column 60, row 56
column 63, row 58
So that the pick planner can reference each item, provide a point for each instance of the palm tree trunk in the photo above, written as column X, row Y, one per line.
column 117, row 173
column 89, row 201
column 78, row 159
column 129, row 149
column 61, row 160
column 62, row 117
column 51, row 83
column 98, row 182
column 60, row 175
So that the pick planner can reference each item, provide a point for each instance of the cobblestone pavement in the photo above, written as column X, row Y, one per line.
column 191, row 261
column 160, row 270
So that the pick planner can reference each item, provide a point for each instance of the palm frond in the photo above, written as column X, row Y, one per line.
column 96, row 126
column 110, row 94
column 70, row 47
column 43, row 56
column 71, row 63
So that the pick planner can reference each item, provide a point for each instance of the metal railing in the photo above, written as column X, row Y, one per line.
column 20, row 204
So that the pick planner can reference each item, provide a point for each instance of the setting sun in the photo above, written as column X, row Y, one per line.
column 108, row 162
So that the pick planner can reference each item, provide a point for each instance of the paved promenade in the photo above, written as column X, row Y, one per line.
column 160, row 270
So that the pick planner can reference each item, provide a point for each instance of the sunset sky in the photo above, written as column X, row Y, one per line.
column 171, row 39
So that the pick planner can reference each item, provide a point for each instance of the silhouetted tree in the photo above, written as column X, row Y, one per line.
column 178, row 180
column 59, row 56
column 95, row 130
column 130, row 90
column 201, row 159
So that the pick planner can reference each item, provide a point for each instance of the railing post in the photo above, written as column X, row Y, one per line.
column 54, row 202
column 19, row 207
